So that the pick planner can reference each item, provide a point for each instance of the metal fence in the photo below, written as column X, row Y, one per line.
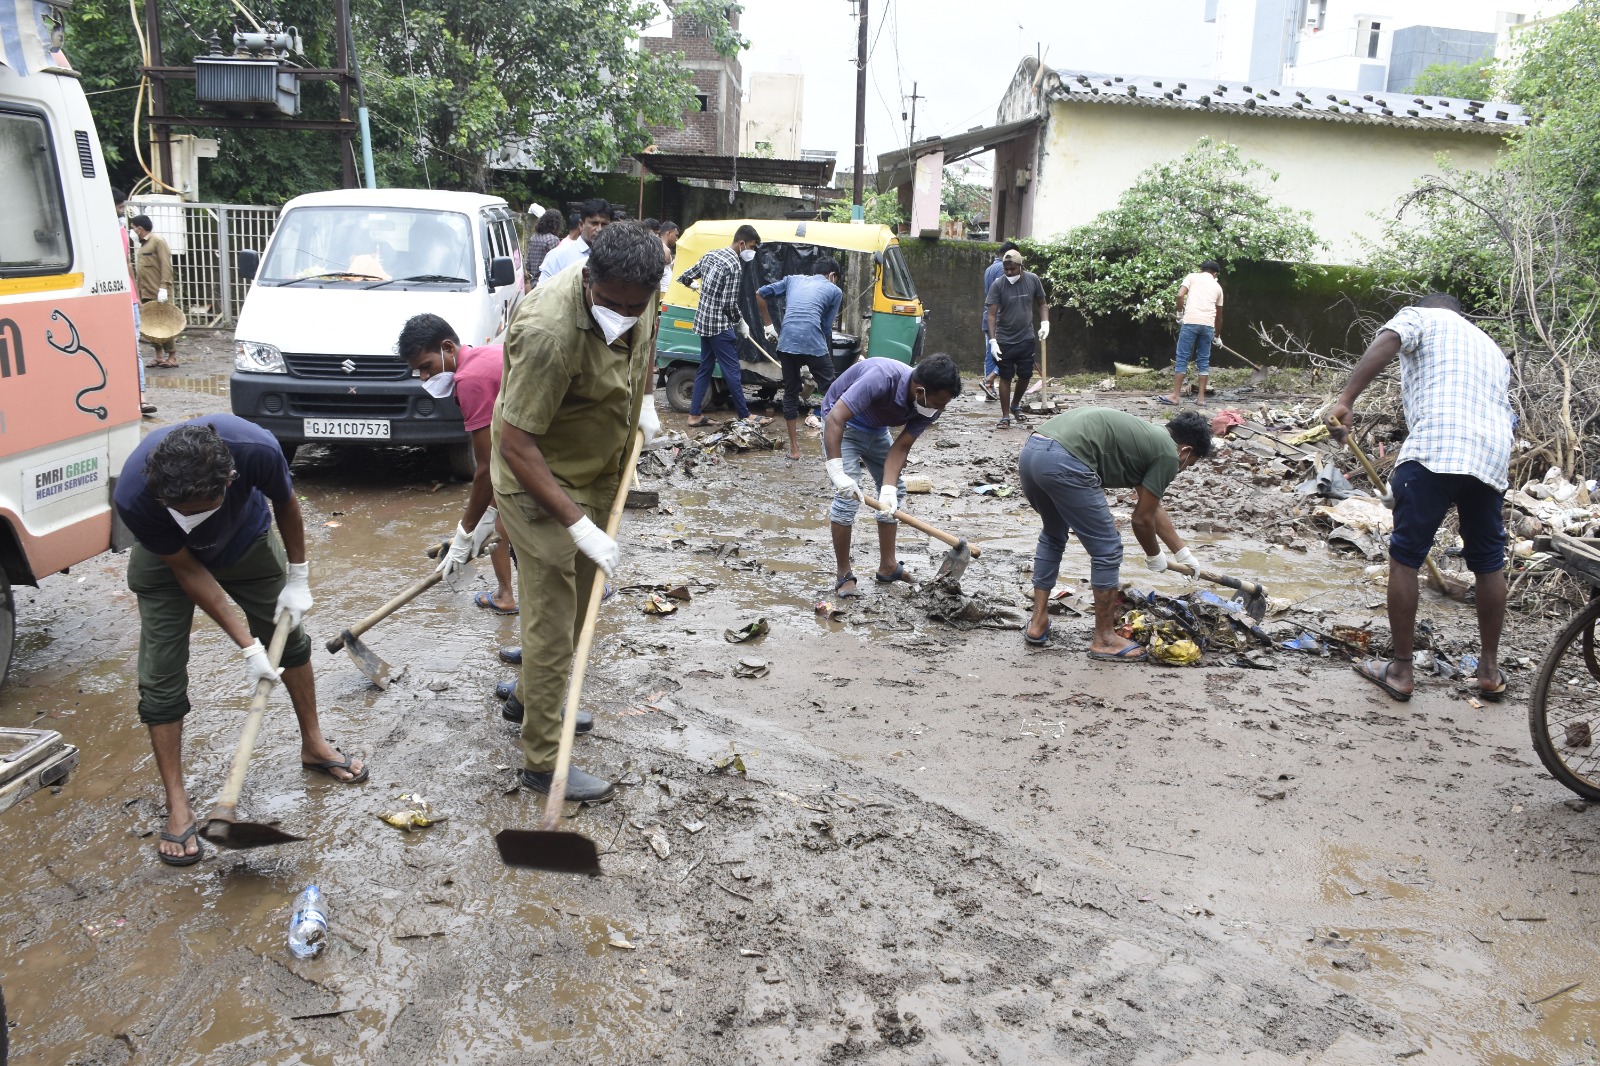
column 206, row 240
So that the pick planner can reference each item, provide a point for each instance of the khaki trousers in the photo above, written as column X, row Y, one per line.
column 553, row 581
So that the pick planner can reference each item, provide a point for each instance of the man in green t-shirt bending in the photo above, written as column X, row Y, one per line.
column 1066, row 466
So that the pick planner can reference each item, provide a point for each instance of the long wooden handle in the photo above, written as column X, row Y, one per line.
column 1249, row 588
column 387, row 609
column 580, row 654
column 763, row 351
column 1435, row 575
column 252, row 724
column 1237, row 355
column 916, row 523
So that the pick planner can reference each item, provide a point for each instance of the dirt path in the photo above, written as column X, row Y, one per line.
column 948, row 847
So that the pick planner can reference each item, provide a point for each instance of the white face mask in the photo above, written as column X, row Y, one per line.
column 611, row 324
column 441, row 385
column 189, row 522
column 1013, row 278
column 748, row 255
column 925, row 412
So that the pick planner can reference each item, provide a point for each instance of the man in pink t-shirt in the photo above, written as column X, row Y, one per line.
column 472, row 375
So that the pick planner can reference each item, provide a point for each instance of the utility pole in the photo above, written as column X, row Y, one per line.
column 856, row 213
column 912, row 136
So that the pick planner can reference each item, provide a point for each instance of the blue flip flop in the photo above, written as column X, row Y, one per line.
column 485, row 600
column 1041, row 640
column 1169, row 401
column 1133, row 653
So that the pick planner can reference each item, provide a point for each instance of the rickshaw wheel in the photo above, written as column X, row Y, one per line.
column 680, row 388
column 1564, row 712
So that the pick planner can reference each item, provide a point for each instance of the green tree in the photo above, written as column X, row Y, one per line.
column 1465, row 81
column 879, row 208
column 963, row 200
column 1207, row 204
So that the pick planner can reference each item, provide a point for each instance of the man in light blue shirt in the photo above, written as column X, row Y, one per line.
column 810, row 306
column 596, row 214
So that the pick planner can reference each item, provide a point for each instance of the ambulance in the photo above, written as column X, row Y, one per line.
column 69, row 380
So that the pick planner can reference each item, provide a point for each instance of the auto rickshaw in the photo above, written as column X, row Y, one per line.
column 881, row 314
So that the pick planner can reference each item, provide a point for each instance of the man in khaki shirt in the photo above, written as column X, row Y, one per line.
column 152, row 275
column 578, row 384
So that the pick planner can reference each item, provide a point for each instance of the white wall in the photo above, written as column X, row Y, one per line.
column 773, row 113
column 1341, row 173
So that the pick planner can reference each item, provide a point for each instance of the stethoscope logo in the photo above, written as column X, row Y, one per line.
column 75, row 347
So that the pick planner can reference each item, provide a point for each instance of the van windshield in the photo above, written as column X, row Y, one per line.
column 354, row 245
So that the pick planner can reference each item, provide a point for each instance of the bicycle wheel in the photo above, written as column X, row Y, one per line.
column 1564, row 712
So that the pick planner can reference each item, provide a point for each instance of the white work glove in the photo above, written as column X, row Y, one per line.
column 458, row 554
column 1186, row 557
column 889, row 499
column 593, row 542
column 771, row 332
column 843, row 484
column 1044, row 330
column 742, row 329
column 994, row 347
column 649, row 418
column 161, row 296
column 1157, row 562
column 296, row 595
column 258, row 666
column 483, row 531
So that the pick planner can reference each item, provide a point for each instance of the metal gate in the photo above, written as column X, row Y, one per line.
column 206, row 240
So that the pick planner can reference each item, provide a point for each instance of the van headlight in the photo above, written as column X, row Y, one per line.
column 256, row 358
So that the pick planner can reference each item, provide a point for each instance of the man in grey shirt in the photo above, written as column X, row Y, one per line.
column 1009, row 309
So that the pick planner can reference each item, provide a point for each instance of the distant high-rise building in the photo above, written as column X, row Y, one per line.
column 772, row 114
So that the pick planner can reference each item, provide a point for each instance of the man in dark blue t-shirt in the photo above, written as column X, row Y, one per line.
column 196, row 498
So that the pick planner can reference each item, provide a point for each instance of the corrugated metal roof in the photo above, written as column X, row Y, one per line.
column 1403, row 110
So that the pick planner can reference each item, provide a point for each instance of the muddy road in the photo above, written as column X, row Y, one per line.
column 947, row 847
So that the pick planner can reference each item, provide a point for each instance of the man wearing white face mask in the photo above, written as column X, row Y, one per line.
column 719, row 323
column 1013, row 300
column 196, row 497
column 578, row 384
column 471, row 374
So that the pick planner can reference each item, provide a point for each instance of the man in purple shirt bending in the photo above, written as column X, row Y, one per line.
column 861, row 406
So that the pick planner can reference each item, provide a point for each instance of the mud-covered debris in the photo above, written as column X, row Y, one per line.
column 737, row 437
column 733, row 762
column 620, row 941
column 1181, row 652
column 1355, row 962
column 642, row 499
column 658, row 603
column 825, row 609
column 941, row 601
column 918, row 484
column 693, row 827
column 751, row 631
column 659, row 842
column 415, row 816
column 1253, row 660
column 991, row 490
column 751, row 668
column 1305, row 642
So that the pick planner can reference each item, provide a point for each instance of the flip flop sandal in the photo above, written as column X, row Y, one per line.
column 1126, row 655
column 1380, row 679
column 605, row 594
column 898, row 575
column 183, row 838
column 1494, row 695
column 1041, row 640
column 1169, row 401
column 989, row 390
column 338, row 764
column 486, row 600
column 839, row 587
column 1004, row 423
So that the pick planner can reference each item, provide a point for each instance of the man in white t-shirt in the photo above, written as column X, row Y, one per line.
column 1200, row 321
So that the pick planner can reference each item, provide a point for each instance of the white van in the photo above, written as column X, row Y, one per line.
column 314, row 349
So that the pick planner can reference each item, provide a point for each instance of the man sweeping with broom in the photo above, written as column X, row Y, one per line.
column 578, row 386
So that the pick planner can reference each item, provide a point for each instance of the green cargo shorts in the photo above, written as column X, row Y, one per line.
column 166, row 616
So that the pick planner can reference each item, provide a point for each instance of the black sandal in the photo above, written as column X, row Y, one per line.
column 838, row 587
column 183, row 838
column 898, row 575
column 1004, row 423
column 1381, row 678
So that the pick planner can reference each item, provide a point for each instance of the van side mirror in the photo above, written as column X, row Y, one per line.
column 502, row 272
column 249, row 263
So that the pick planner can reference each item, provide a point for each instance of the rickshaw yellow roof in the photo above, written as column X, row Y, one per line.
column 703, row 236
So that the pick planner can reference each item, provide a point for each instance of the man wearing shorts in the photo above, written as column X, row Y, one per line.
column 1009, row 309
column 1455, row 386
column 1200, row 322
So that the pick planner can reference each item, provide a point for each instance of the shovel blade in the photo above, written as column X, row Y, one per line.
column 954, row 563
column 554, row 850
column 367, row 661
column 241, row 836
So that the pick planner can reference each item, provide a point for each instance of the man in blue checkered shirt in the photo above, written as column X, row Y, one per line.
column 717, row 320
column 1455, row 385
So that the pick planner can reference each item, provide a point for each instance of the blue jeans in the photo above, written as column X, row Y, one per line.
column 869, row 447
column 721, row 350
column 1069, row 497
column 1195, row 340
column 988, row 357
column 1421, row 498
column 138, row 357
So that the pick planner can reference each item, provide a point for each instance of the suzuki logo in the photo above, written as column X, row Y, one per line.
column 349, row 366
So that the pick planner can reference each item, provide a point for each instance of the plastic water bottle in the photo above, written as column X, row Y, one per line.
column 308, row 925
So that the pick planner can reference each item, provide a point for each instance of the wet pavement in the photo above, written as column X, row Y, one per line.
column 947, row 846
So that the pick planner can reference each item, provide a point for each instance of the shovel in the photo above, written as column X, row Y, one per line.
column 1258, row 373
column 1255, row 596
column 550, row 848
column 955, row 560
column 1042, row 404
column 222, row 826
column 1456, row 590
column 368, row 661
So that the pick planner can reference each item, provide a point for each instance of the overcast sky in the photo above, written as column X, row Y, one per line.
column 961, row 54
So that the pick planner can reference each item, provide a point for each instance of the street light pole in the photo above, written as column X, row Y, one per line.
column 856, row 214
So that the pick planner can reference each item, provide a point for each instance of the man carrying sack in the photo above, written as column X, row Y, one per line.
column 578, row 385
